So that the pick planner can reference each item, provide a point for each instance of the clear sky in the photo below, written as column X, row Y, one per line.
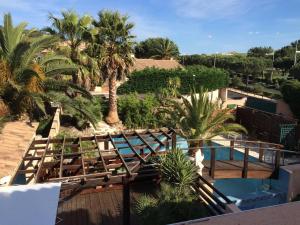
column 197, row 26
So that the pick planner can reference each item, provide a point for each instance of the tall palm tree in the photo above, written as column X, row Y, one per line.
column 115, row 41
column 201, row 118
column 28, row 69
column 165, row 49
column 77, row 32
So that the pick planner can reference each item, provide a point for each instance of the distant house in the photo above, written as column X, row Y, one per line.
column 140, row 64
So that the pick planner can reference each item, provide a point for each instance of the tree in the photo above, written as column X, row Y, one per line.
column 201, row 118
column 158, row 48
column 27, row 75
column 295, row 71
column 259, row 51
column 115, row 48
column 77, row 32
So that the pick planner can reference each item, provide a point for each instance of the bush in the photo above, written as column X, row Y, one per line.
column 151, row 80
column 236, row 81
column 291, row 94
column 258, row 88
column 295, row 71
column 136, row 112
column 235, row 64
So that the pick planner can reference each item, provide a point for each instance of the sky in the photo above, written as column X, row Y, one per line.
column 197, row 26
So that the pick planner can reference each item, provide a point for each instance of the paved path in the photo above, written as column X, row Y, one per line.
column 14, row 139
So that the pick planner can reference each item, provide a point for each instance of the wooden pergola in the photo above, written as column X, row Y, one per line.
column 94, row 160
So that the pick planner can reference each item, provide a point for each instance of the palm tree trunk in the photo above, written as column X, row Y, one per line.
column 194, row 146
column 112, row 117
column 196, row 153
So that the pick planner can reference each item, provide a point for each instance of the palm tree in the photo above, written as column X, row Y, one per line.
column 201, row 118
column 77, row 33
column 115, row 41
column 28, row 69
column 175, row 201
column 165, row 49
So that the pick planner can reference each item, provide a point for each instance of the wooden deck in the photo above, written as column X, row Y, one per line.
column 235, row 169
column 99, row 207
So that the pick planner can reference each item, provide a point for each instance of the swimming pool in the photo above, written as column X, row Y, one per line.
column 222, row 153
column 255, row 193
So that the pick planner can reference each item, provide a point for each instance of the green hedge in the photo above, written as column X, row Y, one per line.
column 137, row 112
column 235, row 64
column 291, row 94
column 151, row 80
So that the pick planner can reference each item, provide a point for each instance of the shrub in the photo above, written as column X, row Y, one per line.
column 258, row 88
column 295, row 71
column 291, row 94
column 137, row 112
column 235, row 64
column 151, row 80
column 236, row 81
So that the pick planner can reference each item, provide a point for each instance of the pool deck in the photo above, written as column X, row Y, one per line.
column 235, row 168
column 285, row 214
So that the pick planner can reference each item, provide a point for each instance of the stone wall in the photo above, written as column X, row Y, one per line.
column 55, row 123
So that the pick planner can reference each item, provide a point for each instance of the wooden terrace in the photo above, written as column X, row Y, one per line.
column 104, row 160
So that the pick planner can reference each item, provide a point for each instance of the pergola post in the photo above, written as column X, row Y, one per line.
column 126, row 201
column 174, row 140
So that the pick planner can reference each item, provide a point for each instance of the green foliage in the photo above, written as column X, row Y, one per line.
column 137, row 112
column 202, row 118
column 78, row 31
column 236, row 64
column 259, row 51
column 44, row 126
column 169, row 207
column 295, row 71
column 258, row 88
column 177, row 169
column 81, row 110
column 26, row 77
column 175, row 201
column 236, row 81
column 291, row 94
column 158, row 48
column 151, row 80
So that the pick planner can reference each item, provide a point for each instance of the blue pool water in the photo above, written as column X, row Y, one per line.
column 221, row 153
column 255, row 193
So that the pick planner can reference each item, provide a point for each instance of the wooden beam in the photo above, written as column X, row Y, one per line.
column 100, row 154
column 246, row 160
column 174, row 140
column 156, row 138
column 261, row 152
column 82, row 159
column 212, row 162
column 62, row 158
column 145, row 142
column 133, row 149
column 120, row 156
column 37, row 176
column 231, row 157
column 126, row 201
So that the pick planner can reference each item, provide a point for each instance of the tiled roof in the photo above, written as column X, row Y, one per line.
column 140, row 64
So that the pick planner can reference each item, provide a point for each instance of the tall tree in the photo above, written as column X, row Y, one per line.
column 115, row 43
column 27, row 74
column 77, row 32
column 259, row 51
column 158, row 48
